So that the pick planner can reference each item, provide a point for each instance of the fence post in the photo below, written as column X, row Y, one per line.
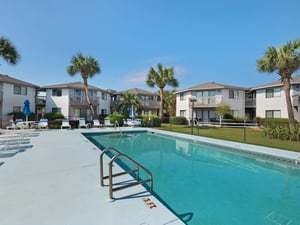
column 245, row 131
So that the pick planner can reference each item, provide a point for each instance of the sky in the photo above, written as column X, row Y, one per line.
column 204, row 41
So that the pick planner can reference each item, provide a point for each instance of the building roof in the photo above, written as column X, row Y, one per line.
column 138, row 91
column 74, row 85
column 294, row 80
column 11, row 80
column 210, row 86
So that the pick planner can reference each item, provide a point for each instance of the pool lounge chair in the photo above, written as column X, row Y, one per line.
column 11, row 126
column 107, row 122
column 43, row 123
column 20, row 124
column 96, row 123
column 65, row 124
column 82, row 123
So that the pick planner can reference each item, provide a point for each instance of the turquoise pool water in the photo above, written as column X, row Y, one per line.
column 205, row 184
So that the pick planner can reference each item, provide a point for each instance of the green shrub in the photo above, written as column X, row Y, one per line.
column 116, row 117
column 150, row 121
column 53, row 116
column 179, row 120
column 20, row 115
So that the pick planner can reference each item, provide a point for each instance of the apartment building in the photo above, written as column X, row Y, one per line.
column 203, row 99
column 150, row 100
column 70, row 100
column 13, row 93
column 269, row 99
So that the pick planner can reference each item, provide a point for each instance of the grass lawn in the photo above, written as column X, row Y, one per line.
column 255, row 137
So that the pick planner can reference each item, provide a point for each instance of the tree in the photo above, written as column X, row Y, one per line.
column 221, row 110
column 161, row 77
column 284, row 60
column 125, row 101
column 8, row 51
column 170, row 103
column 87, row 67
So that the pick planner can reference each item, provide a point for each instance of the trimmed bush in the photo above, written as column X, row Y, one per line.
column 116, row 117
column 150, row 121
column 178, row 120
column 54, row 116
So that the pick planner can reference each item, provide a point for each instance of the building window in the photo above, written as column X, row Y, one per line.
column 104, row 96
column 91, row 93
column 56, row 92
column 273, row 92
column 182, row 96
column 182, row 112
column 103, row 111
column 77, row 93
column 235, row 113
column 56, row 110
column 233, row 94
column 16, row 108
column 19, row 90
column 273, row 114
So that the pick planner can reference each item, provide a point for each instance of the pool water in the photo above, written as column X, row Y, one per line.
column 205, row 184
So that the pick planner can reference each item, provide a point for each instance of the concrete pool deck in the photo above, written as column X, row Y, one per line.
column 56, row 181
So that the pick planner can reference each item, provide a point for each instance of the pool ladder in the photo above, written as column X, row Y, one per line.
column 117, row 154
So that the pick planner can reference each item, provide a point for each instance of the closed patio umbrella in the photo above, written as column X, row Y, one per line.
column 131, row 112
column 26, row 108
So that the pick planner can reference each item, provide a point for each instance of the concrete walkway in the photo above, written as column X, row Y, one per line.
column 56, row 182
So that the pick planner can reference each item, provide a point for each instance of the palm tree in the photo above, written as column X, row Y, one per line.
column 170, row 102
column 161, row 77
column 8, row 51
column 87, row 67
column 125, row 101
column 284, row 60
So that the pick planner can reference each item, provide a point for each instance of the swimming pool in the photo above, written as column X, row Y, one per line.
column 207, row 184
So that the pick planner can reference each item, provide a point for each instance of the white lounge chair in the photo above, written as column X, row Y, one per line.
column 21, row 124
column 43, row 123
column 107, row 122
column 96, row 123
column 65, row 124
column 130, row 123
column 82, row 123
column 138, row 122
column 11, row 126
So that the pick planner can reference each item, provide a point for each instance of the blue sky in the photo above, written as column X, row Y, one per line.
column 204, row 41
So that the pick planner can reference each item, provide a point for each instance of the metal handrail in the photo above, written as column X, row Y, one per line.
column 111, row 175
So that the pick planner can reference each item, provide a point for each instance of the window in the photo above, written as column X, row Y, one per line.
column 273, row 92
column 182, row 97
column 77, row 93
column 56, row 92
column 19, row 90
column 233, row 94
column 182, row 112
column 56, row 110
column 103, row 111
column 104, row 96
column 235, row 113
column 273, row 114
column 16, row 108
column 91, row 93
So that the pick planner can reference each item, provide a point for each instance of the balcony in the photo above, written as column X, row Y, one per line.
column 207, row 101
column 81, row 101
column 250, row 102
column 150, row 104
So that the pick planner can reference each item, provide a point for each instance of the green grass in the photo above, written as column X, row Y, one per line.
column 254, row 137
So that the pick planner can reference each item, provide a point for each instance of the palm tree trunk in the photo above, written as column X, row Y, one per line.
column 287, row 87
column 88, row 98
column 161, row 92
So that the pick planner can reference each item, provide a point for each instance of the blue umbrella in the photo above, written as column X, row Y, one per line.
column 131, row 112
column 26, row 108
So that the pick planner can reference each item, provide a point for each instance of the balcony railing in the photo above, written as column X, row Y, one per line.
column 207, row 101
column 250, row 102
column 82, row 100
column 150, row 104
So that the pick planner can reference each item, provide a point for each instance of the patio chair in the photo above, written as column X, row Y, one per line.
column 21, row 124
column 138, row 122
column 65, row 124
column 96, row 123
column 82, row 123
column 107, row 122
column 43, row 123
column 130, row 123
column 11, row 126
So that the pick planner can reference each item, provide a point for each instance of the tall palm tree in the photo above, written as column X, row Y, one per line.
column 8, row 51
column 170, row 102
column 87, row 67
column 284, row 60
column 161, row 77
column 125, row 101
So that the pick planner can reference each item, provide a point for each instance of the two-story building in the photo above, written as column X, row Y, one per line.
column 203, row 99
column 150, row 100
column 270, row 99
column 13, row 93
column 70, row 100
